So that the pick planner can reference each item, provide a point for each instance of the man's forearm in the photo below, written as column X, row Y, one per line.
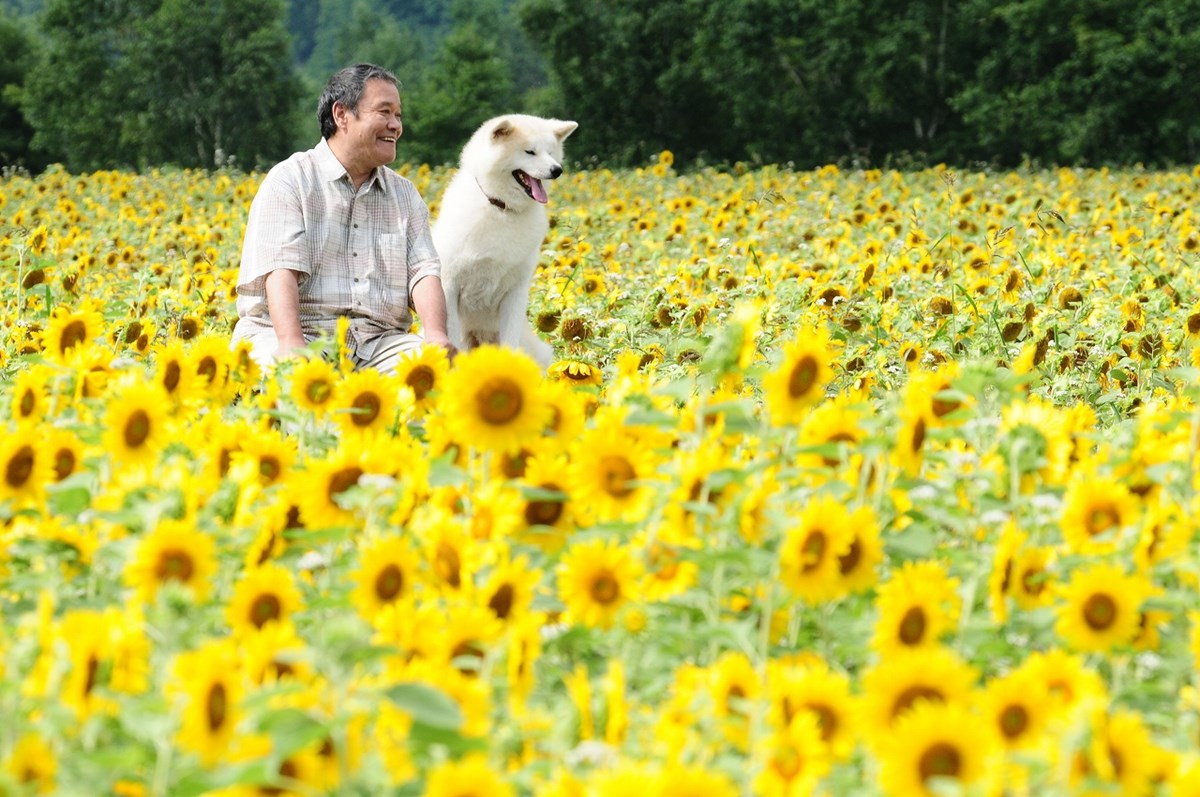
column 430, row 303
column 283, row 303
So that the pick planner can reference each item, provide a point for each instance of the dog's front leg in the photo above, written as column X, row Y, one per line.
column 512, row 316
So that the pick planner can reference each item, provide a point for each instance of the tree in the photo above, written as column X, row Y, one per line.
column 132, row 83
column 15, row 132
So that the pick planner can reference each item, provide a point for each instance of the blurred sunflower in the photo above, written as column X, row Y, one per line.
column 69, row 328
column 1100, row 608
column 321, row 485
column 1097, row 512
column 174, row 553
column 25, row 466
column 896, row 685
column 611, row 474
column 509, row 588
column 576, row 372
column 470, row 776
column 793, row 759
column 596, row 579
column 812, row 688
column 31, row 397
column 367, row 401
column 467, row 635
column 208, row 683
column 172, row 370
column 492, row 399
column 65, row 451
column 679, row 779
column 916, row 607
column 1066, row 679
column 798, row 382
column 1015, row 706
column 547, row 508
column 261, row 596
column 32, row 763
column 858, row 567
column 136, row 423
column 424, row 371
column 937, row 745
column 1115, row 754
column 212, row 361
column 313, row 383
column 1032, row 583
column 811, row 549
column 387, row 575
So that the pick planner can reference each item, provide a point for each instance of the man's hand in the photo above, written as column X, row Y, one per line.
column 430, row 303
column 439, row 339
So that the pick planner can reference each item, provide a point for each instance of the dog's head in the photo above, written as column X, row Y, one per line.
column 516, row 154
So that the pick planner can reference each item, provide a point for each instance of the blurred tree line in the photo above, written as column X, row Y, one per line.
column 137, row 83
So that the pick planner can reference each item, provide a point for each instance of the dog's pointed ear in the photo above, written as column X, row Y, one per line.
column 564, row 129
column 503, row 129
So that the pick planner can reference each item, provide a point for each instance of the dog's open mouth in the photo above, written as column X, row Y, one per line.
column 532, row 186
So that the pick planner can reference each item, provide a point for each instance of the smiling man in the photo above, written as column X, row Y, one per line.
column 334, row 232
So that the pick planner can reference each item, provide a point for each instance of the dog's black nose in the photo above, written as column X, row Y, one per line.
column 555, row 171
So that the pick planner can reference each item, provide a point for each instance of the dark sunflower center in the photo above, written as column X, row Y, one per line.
column 73, row 334
column 1099, row 612
column 27, row 404
column 911, row 695
column 207, row 369
column 803, row 377
column 848, row 561
column 264, row 609
column 605, row 589
column 137, row 429
column 343, row 480
column 216, row 707
column 389, row 583
column 912, row 626
column 616, row 474
column 1100, row 519
column 64, row 463
column 1014, row 720
column 501, row 602
column 448, row 565
column 812, row 552
column 19, row 467
column 499, row 401
column 171, row 375
column 318, row 391
column 421, row 379
column 366, row 408
column 940, row 760
column 174, row 565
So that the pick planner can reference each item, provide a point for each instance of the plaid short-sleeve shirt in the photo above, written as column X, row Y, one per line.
column 358, row 253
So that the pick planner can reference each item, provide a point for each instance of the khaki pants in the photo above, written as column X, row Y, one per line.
column 382, row 353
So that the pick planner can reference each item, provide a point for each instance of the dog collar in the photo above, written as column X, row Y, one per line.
column 491, row 199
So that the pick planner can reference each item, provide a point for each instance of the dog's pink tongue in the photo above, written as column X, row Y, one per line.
column 539, row 193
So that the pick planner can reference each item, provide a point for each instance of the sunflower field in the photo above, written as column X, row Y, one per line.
column 842, row 483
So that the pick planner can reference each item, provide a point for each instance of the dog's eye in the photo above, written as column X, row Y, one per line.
column 530, row 152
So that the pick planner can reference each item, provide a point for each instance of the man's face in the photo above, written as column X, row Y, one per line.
column 370, row 134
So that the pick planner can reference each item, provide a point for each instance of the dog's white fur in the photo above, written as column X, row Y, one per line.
column 490, row 228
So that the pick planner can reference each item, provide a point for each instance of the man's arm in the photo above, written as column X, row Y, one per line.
column 429, row 301
column 283, row 303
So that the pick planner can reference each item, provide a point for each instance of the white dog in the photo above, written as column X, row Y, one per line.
column 490, row 228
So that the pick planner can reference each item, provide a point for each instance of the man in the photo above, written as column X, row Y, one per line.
column 333, row 232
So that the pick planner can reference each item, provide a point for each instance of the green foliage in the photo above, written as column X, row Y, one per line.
column 147, row 82
column 15, row 132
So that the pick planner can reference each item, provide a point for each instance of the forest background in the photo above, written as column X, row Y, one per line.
column 135, row 84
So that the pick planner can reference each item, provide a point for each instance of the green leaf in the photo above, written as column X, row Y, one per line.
column 426, row 705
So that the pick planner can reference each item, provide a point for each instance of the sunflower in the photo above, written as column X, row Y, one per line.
column 31, row 763
column 1066, row 679
column 466, row 637
column 136, row 423
column 668, row 571
column 386, row 575
column 831, row 432
column 1000, row 582
column 1116, row 754
column 263, row 595
column 793, row 759
column 576, row 372
column 1035, row 438
column 266, row 455
column 547, row 510
column 811, row 688
column 212, row 361
column 935, row 392
column 509, row 588
column 858, row 567
column 467, row 777
column 31, row 394
column 937, row 743
column 492, row 399
column 423, row 371
column 905, row 679
column 25, row 466
column 175, row 553
column 322, row 484
column 208, row 682
column 64, row 450
column 68, row 329
column 1097, row 511
column 452, row 555
column 917, row 606
column 1100, row 608
column 1032, row 581
column 567, row 414
column 367, row 402
column 1016, row 707
column 85, row 634
column 810, row 553
column 692, row 780
column 909, row 451
column 595, row 580
column 172, row 370
column 798, row 382
column 611, row 471
column 313, row 383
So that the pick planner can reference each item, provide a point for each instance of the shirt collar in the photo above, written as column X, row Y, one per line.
column 330, row 168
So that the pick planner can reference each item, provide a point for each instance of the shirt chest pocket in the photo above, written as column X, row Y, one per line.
column 391, row 256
